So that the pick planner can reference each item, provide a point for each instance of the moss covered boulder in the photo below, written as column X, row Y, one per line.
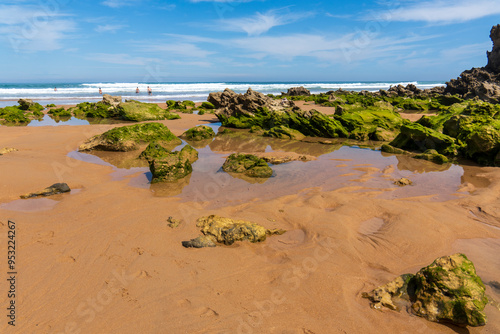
column 29, row 105
column 247, row 164
column 448, row 290
column 480, row 136
column 59, row 112
column 282, row 132
column 417, row 137
column 392, row 150
column 166, row 166
column 376, row 124
column 56, row 188
column 432, row 155
column 140, row 111
column 13, row 115
column 129, row 138
column 199, row 133
column 216, row 229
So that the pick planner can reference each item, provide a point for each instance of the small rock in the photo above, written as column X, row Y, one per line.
column 6, row 150
column 403, row 182
column 54, row 189
column 173, row 223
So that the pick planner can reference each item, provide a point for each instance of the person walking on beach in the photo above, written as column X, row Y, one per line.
column 100, row 90
column 137, row 90
column 150, row 91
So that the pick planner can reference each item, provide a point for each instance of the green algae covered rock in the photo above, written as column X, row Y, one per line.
column 480, row 136
column 94, row 110
column 140, row 111
column 13, row 115
column 282, row 132
column 166, row 166
column 392, row 150
column 432, row 155
column 199, row 133
column 128, row 138
column 29, row 105
column 375, row 124
column 416, row 137
column 216, row 229
column 448, row 290
column 59, row 112
column 247, row 164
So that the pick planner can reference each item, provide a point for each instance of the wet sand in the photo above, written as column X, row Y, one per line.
column 102, row 259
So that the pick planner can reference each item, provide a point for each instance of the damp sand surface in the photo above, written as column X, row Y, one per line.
column 104, row 260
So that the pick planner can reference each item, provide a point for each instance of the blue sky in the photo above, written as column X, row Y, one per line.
column 224, row 40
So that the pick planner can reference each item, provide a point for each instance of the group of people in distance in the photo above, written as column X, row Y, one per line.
column 137, row 91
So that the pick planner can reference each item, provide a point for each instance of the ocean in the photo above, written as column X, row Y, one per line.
column 73, row 93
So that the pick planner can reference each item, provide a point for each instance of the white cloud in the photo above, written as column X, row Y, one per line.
column 119, row 3
column 261, row 23
column 192, row 63
column 109, row 28
column 122, row 59
column 34, row 28
column 441, row 11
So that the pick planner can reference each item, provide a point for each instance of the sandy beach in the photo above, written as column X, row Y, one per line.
column 102, row 258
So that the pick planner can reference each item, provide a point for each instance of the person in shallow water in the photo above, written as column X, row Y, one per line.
column 137, row 90
column 100, row 90
column 150, row 91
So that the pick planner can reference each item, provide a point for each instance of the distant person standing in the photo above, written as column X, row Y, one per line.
column 55, row 89
column 150, row 91
column 100, row 90
column 137, row 90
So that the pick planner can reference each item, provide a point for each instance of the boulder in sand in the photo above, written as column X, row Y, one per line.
column 448, row 290
column 227, row 231
column 54, row 189
column 166, row 166
column 298, row 91
column 128, row 138
column 247, row 164
column 6, row 150
column 139, row 111
column 198, row 133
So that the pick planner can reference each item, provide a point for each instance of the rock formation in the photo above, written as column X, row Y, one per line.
column 54, row 189
column 166, row 166
column 247, row 164
column 483, row 82
column 128, row 138
column 227, row 231
column 448, row 290
column 298, row 91
column 6, row 150
column 198, row 133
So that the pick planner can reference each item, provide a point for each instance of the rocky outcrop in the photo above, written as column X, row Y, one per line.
column 54, row 189
column 128, row 138
column 432, row 155
column 216, row 229
column 247, row 164
column 166, row 166
column 494, row 55
column 283, row 132
column 111, row 100
column 26, row 104
column 483, row 82
column 140, row 111
column 298, row 91
column 198, row 133
column 416, row 137
column 448, row 290
column 230, row 104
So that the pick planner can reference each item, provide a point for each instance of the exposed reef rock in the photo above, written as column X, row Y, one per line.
column 283, row 132
column 416, row 137
column 128, row 138
column 494, row 55
column 298, row 91
column 247, row 164
column 483, row 82
column 227, row 231
column 166, row 166
column 228, row 103
column 54, row 189
column 448, row 290
column 139, row 111
column 198, row 133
